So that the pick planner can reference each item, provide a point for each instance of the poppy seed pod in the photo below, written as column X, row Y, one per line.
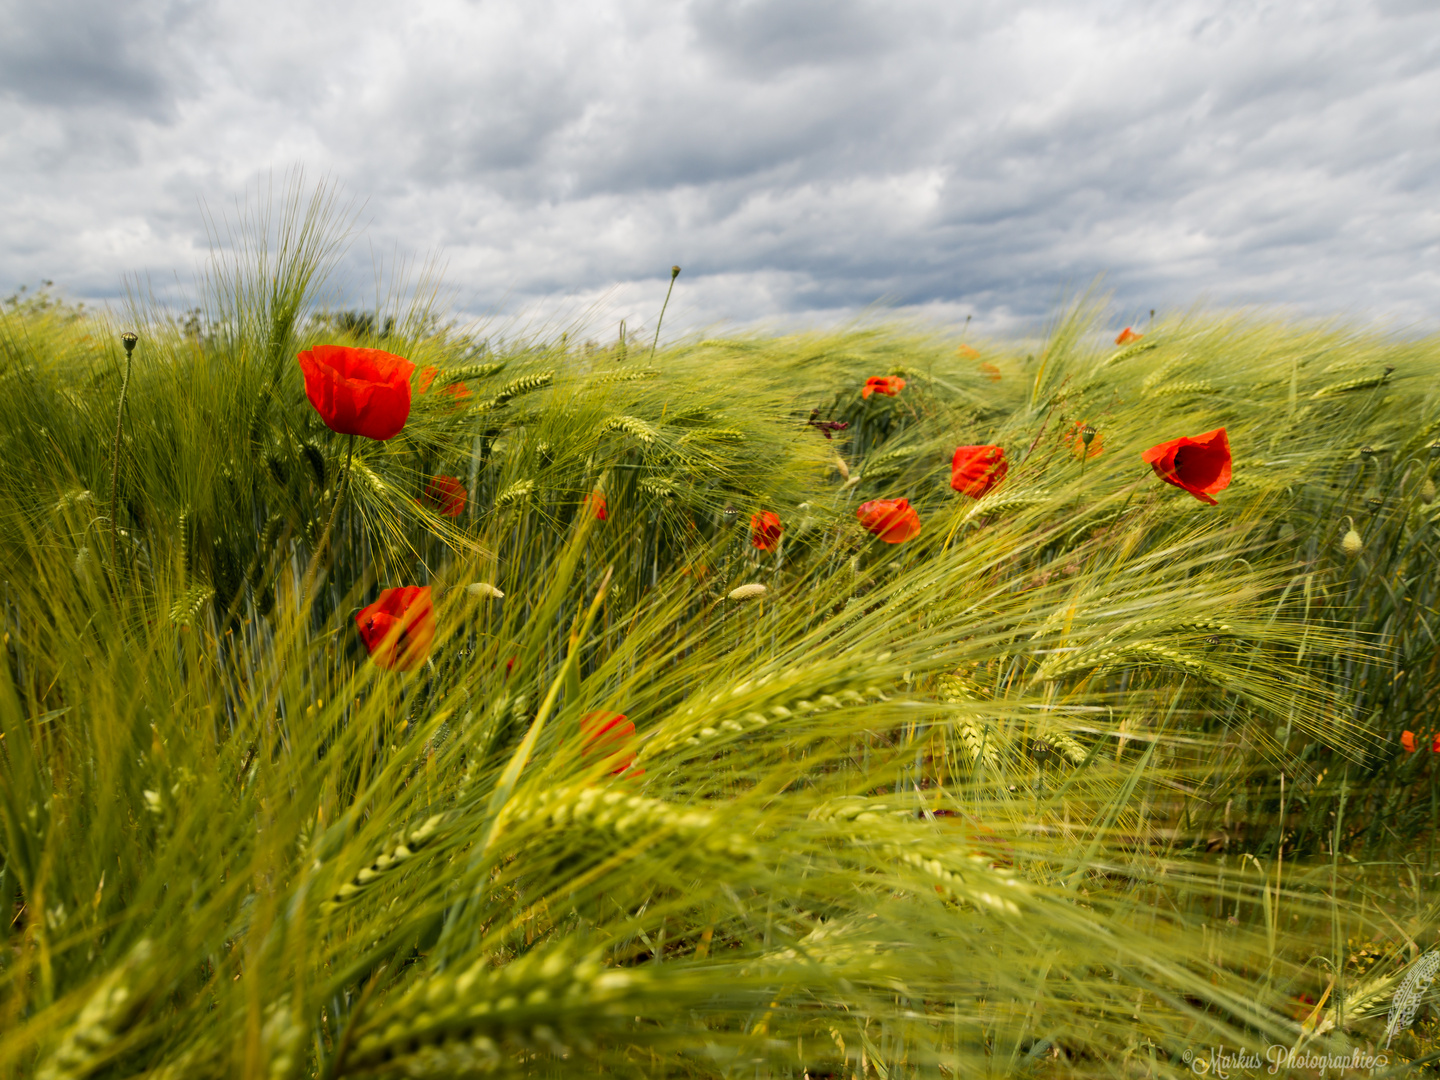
column 1085, row 441
column 128, row 339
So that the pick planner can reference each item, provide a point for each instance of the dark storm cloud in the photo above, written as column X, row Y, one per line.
column 797, row 157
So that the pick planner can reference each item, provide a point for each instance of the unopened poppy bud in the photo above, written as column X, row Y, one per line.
column 674, row 272
column 752, row 591
column 484, row 588
column 128, row 339
column 1427, row 491
column 1352, row 545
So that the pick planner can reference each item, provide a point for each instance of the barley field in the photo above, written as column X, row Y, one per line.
column 868, row 703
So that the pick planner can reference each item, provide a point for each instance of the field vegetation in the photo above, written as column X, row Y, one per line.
column 672, row 760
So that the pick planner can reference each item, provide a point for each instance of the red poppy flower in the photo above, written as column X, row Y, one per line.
column 1077, row 441
column 765, row 530
column 889, row 385
column 427, row 376
column 1127, row 336
column 445, row 495
column 974, row 470
column 596, row 502
column 1407, row 740
column 399, row 628
column 990, row 371
column 1200, row 465
column 968, row 351
column 892, row 520
column 1435, row 743
column 610, row 735
column 358, row 391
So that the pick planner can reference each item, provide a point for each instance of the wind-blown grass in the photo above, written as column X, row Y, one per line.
column 1086, row 775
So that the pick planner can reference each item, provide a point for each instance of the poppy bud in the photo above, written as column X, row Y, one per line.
column 128, row 339
column 1352, row 545
column 1427, row 491
column 753, row 591
column 674, row 272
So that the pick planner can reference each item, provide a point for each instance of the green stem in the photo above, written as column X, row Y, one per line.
column 340, row 487
column 129, row 340
column 674, row 273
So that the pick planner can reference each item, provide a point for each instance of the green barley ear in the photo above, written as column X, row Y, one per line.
column 1183, row 389
column 525, row 384
column 1350, row 385
column 616, row 375
column 184, row 610
column 516, row 492
column 450, row 376
column 632, row 426
column 317, row 462
column 113, row 1008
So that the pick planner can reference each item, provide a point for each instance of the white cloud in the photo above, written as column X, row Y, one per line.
column 801, row 160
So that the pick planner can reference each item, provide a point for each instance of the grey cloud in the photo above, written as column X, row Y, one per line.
column 795, row 157
column 765, row 38
column 91, row 54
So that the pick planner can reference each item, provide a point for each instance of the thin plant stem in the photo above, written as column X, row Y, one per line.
column 674, row 273
column 129, row 338
column 340, row 488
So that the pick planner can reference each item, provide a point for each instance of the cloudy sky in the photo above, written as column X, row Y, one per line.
column 800, row 159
